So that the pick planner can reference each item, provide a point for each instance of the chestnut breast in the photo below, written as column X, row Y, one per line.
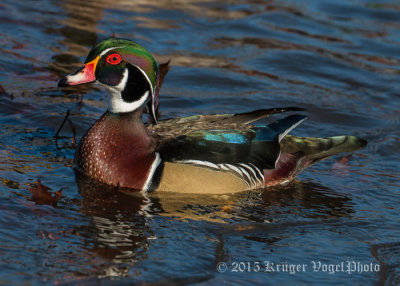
column 117, row 150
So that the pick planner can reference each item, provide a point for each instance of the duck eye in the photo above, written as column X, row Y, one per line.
column 113, row 59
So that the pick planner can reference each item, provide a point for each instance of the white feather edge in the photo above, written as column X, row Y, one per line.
column 282, row 135
column 109, row 49
column 145, row 208
column 229, row 167
column 153, row 168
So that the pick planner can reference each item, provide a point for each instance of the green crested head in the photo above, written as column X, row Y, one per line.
column 130, row 52
column 126, row 68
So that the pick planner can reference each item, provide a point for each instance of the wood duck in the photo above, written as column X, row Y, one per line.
column 215, row 154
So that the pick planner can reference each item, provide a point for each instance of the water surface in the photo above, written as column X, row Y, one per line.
column 339, row 60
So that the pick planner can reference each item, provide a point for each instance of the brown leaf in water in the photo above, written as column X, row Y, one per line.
column 42, row 196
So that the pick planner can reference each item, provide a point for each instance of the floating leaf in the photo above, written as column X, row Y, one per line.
column 42, row 196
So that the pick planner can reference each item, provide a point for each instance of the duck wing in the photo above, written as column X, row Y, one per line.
column 207, row 139
column 175, row 127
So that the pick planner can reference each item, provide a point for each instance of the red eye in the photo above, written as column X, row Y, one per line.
column 113, row 59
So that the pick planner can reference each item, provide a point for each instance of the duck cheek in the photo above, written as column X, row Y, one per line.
column 110, row 78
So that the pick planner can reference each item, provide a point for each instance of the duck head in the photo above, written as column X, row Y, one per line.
column 127, row 69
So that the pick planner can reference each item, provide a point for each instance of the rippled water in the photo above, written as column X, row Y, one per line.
column 339, row 59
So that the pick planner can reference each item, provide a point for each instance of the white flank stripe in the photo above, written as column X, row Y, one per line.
column 201, row 163
column 240, row 172
column 153, row 168
column 253, row 179
column 249, row 168
column 223, row 167
column 258, row 170
column 234, row 168
column 249, row 178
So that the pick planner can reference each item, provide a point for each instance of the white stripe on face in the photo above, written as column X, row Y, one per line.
column 107, row 50
column 117, row 104
column 142, row 71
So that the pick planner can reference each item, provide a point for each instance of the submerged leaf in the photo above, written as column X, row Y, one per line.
column 42, row 196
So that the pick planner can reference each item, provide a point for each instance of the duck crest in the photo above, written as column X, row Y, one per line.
column 118, row 150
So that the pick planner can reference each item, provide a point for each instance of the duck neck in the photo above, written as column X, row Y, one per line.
column 134, row 117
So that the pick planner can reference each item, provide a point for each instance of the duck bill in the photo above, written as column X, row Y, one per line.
column 85, row 74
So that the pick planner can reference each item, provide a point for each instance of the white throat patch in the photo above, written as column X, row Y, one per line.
column 117, row 104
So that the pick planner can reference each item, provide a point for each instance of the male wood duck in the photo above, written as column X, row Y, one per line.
column 198, row 154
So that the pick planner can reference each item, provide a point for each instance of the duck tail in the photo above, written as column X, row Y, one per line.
column 316, row 149
column 298, row 153
column 265, row 147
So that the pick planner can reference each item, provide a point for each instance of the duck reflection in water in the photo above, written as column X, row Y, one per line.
column 120, row 234
column 117, row 233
